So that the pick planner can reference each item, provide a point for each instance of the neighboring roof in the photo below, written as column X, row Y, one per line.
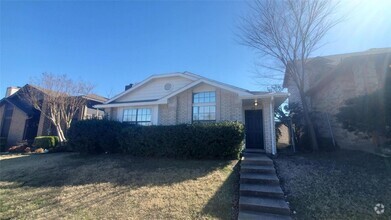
column 91, row 96
column 96, row 97
column 381, row 60
column 335, row 60
column 17, row 100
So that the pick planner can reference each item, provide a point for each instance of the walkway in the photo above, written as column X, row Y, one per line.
column 261, row 196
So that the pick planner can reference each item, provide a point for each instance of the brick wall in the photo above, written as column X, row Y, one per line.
column 358, row 77
column 179, row 108
column 229, row 105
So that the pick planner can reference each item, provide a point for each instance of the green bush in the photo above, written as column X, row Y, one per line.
column 196, row 141
column 94, row 136
column 3, row 144
column 46, row 142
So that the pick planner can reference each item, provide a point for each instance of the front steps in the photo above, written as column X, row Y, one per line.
column 261, row 196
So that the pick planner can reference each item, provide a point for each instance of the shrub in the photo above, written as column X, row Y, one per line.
column 46, row 142
column 369, row 113
column 196, row 141
column 94, row 136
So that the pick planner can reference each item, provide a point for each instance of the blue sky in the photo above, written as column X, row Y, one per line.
column 113, row 43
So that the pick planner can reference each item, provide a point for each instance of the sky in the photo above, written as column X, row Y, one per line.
column 114, row 43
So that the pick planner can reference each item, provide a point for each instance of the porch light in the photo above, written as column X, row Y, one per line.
column 256, row 102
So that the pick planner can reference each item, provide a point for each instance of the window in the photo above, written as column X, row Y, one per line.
column 204, row 106
column 204, row 97
column 139, row 116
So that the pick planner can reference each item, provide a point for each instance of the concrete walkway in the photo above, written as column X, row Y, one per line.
column 261, row 196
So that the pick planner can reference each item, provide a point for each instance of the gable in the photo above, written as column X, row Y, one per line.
column 155, row 89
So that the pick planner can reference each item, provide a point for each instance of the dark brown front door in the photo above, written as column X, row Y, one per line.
column 254, row 129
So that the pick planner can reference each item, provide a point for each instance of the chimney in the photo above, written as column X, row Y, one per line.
column 11, row 90
column 128, row 86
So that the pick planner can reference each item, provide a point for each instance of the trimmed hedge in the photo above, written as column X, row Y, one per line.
column 196, row 141
column 94, row 136
column 46, row 142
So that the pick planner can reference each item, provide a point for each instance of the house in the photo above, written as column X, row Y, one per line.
column 334, row 79
column 19, row 120
column 184, row 98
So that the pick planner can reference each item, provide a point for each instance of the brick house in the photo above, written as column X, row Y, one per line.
column 183, row 98
column 334, row 79
column 20, row 121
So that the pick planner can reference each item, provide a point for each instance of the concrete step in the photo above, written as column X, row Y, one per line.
column 256, row 190
column 248, row 168
column 249, row 215
column 257, row 160
column 252, row 154
column 261, row 204
column 261, row 178
column 249, row 150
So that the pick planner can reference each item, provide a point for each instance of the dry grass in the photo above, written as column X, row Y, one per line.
column 338, row 185
column 69, row 186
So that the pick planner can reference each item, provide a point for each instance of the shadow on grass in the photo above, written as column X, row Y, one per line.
column 70, row 169
column 336, row 185
column 226, row 198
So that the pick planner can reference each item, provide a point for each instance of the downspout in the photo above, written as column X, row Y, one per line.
column 331, row 131
column 272, row 126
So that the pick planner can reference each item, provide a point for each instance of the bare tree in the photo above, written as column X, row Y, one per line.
column 288, row 32
column 59, row 99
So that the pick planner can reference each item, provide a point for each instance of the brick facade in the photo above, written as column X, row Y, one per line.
column 179, row 108
column 230, row 102
column 352, row 76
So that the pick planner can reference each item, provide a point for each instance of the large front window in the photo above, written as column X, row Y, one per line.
column 204, row 106
column 139, row 116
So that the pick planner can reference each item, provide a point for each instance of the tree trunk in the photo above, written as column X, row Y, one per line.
column 60, row 134
column 308, row 121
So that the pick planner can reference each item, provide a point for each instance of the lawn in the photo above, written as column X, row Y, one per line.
column 70, row 186
column 339, row 185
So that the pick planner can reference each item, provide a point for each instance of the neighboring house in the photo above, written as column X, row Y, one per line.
column 334, row 79
column 20, row 121
column 184, row 98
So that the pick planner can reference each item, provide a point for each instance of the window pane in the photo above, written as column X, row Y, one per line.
column 143, row 116
column 204, row 97
column 204, row 113
column 129, row 115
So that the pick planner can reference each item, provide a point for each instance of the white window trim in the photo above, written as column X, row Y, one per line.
column 201, row 104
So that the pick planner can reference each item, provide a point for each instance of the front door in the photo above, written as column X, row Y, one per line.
column 254, row 129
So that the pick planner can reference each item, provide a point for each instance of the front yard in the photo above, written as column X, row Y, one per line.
column 69, row 186
column 338, row 185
